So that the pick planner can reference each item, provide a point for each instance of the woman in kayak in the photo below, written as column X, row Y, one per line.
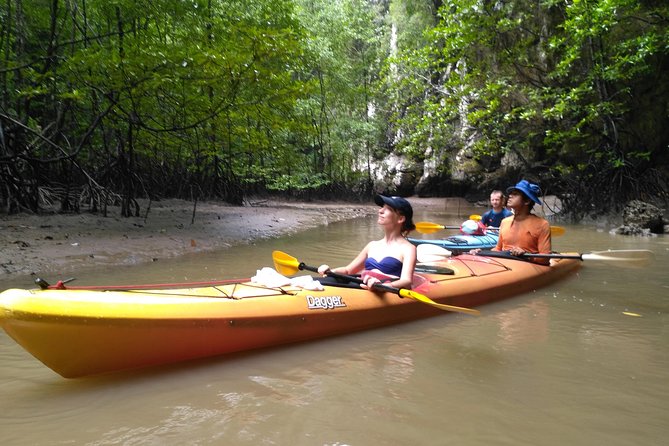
column 524, row 231
column 392, row 259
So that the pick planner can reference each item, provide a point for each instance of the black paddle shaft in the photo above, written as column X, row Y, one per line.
column 508, row 255
column 331, row 273
column 353, row 279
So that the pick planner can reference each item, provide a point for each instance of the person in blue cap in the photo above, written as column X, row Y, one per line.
column 392, row 259
column 524, row 231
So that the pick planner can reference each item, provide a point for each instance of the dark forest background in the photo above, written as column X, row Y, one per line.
column 106, row 101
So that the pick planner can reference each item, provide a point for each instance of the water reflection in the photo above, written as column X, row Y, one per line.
column 526, row 324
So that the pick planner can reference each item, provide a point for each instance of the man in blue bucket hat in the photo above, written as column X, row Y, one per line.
column 524, row 231
column 530, row 190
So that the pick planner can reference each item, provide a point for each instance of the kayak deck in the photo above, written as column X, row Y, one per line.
column 461, row 243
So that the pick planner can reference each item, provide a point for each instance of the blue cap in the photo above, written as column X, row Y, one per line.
column 530, row 190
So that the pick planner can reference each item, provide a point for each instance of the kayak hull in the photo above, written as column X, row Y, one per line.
column 461, row 243
column 80, row 332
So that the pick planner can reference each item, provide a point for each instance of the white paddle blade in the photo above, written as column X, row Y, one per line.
column 427, row 253
column 632, row 257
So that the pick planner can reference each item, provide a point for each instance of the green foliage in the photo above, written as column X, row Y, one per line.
column 554, row 82
column 264, row 94
column 230, row 97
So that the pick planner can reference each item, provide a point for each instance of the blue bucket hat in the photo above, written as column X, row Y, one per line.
column 399, row 204
column 530, row 190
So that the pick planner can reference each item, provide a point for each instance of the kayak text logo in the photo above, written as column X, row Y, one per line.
column 325, row 302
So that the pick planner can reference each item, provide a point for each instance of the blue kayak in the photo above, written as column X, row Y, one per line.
column 461, row 242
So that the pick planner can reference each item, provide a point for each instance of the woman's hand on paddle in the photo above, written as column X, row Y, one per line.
column 474, row 251
column 369, row 281
column 323, row 269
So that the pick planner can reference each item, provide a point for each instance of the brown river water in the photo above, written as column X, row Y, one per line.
column 584, row 361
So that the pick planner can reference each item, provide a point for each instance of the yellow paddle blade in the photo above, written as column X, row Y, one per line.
column 557, row 231
column 284, row 263
column 426, row 300
column 427, row 227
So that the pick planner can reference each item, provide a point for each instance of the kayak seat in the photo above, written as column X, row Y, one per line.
column 431, row 269
column 335, row 281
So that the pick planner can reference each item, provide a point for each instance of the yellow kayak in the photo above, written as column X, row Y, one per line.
column 85, row 331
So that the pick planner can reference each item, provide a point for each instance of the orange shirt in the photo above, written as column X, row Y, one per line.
column 533, row 235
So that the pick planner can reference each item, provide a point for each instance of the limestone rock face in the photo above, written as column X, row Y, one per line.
column 644, row 215
column 396, row 175
column 640, row 218
column 632, row 230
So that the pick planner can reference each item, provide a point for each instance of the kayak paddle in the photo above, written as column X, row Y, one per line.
column 429, row 252
column 287, row 265
column 426, row 227
column 636, row 257
column 631, row 257
column 555, row 230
